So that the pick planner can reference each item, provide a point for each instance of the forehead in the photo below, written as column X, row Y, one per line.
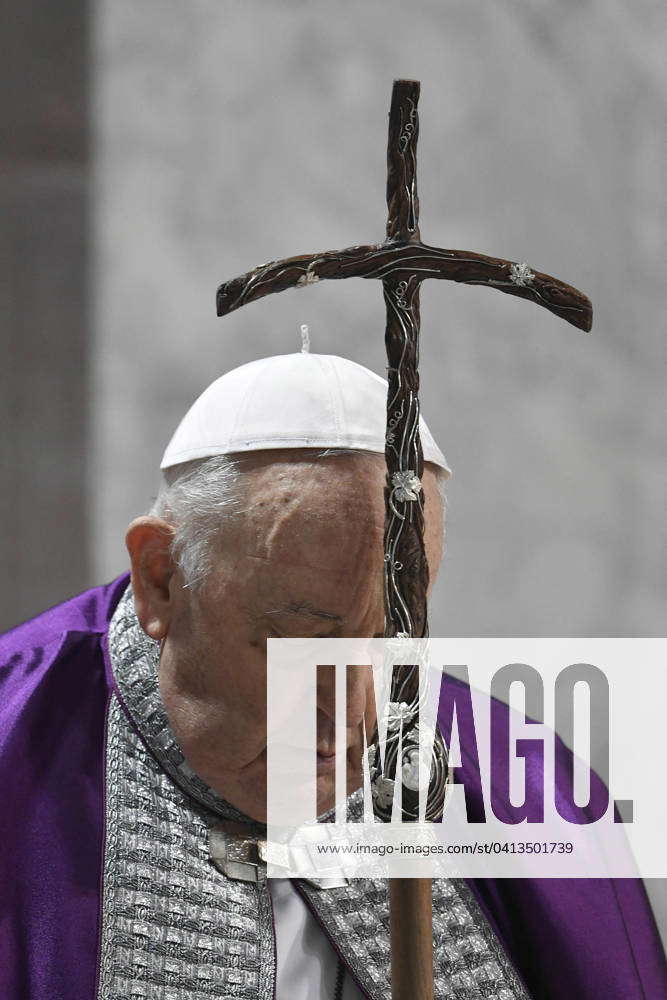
column 298, row 505
column 311, row 537
column 310, row 511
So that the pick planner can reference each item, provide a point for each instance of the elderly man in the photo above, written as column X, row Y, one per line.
column 133, row 728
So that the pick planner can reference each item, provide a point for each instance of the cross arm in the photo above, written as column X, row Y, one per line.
column 292, row 272
column 391, row 259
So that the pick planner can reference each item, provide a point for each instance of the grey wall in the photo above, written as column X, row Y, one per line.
column 229, row 134
column 43, row 332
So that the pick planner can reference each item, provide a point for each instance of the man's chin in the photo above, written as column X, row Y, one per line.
column 326, row 794
column 326, row 789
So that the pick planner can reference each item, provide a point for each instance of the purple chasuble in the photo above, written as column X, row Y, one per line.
column 583, row 938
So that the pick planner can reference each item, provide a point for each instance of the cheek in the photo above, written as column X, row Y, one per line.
column 434, row 542
column 233, row 663
column 241, row 676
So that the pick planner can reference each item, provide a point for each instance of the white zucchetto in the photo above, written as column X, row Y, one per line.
column 290, row 401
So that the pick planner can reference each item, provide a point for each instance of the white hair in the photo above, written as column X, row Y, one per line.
column 196, row 498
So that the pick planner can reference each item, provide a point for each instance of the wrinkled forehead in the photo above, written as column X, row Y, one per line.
column 311, row 534
column 294, row 504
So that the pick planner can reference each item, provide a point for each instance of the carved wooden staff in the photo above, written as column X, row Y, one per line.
column 402, row 262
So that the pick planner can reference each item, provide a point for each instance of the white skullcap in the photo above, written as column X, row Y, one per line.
column 290, row 401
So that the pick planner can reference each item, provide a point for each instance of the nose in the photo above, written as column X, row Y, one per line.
column 326, row 691
column 358, row 680
column 357, row 693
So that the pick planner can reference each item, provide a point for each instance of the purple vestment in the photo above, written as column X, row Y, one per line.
column 578, row 938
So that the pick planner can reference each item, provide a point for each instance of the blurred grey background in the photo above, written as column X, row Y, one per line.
column 151, row 150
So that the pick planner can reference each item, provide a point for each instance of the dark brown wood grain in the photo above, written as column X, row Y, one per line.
column 411, row 921
column 397, row 259
column 402, row 198
column 406, row 565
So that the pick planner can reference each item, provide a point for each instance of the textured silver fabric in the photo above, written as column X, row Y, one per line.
column 172, row 924
column 469, row 962
column 175, row 926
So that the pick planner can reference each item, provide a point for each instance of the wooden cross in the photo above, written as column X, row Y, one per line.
column 402, row 262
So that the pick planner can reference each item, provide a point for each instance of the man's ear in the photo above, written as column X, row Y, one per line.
column 148, row 541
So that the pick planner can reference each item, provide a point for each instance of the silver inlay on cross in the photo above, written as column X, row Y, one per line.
column 521, row 275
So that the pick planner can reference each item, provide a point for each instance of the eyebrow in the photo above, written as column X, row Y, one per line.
column 301, row 608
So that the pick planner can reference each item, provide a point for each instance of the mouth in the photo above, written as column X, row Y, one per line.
column 326, row 758
column 326, row 762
